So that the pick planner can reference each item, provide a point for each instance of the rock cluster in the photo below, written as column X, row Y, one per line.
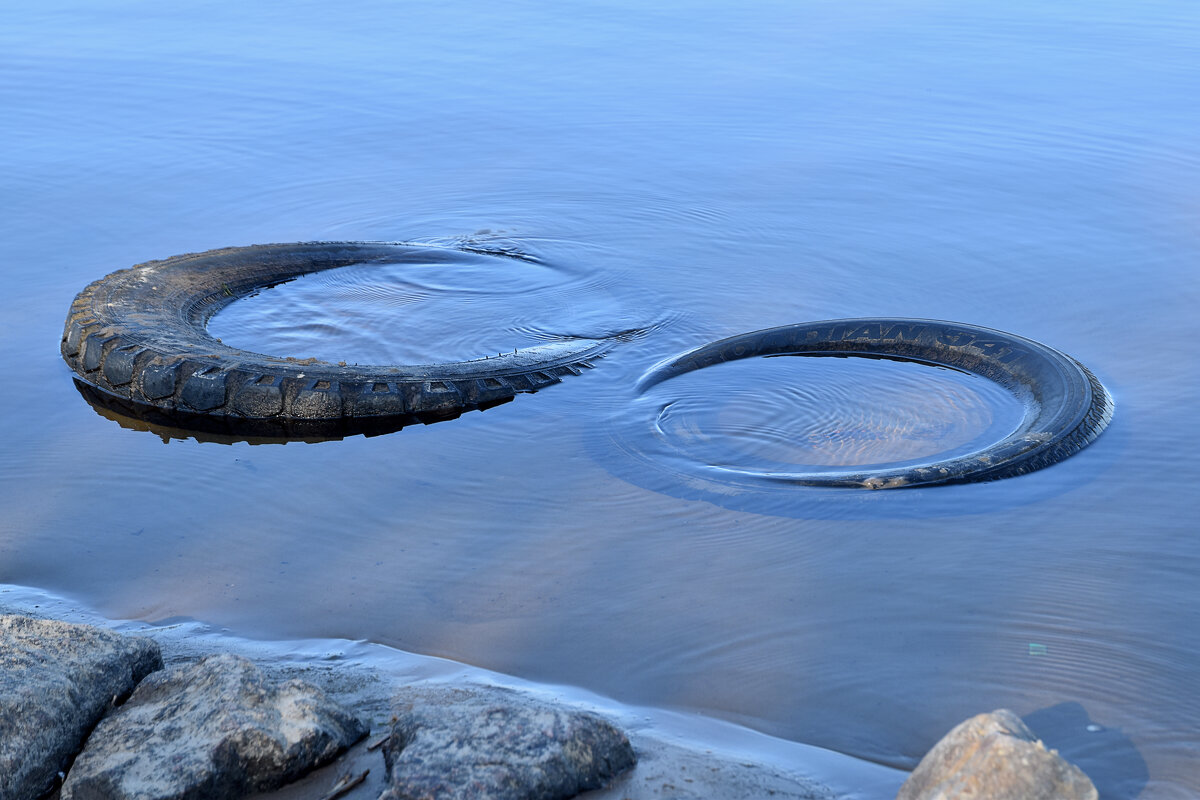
column 213, row 729
column 218, row 728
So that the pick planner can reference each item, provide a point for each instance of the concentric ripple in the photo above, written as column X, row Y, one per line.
column 778, row 415
column 465, row 305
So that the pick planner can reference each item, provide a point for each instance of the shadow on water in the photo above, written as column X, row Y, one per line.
column 1106, row 755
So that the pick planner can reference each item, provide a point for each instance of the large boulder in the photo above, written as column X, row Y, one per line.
column 995, row 757
column 495, row 744
column 56, row 681
column 217, row 728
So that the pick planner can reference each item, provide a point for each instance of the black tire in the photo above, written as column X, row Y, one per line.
column 137, row 342
column 1067, row 406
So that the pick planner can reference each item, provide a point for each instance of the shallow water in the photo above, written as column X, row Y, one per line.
column 698, row 170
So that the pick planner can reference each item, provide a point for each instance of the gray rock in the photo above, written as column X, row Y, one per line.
column 995, row 757
column 56, row 682
column 495, row 744
column 216, row 728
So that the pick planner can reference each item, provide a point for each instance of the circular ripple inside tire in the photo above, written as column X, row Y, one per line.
column 1066, row 407
column 137, row 343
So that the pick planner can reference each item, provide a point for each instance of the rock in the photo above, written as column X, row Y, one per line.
column 216, row 728
column 995, row 757
column 495, row 744
column 56, row 681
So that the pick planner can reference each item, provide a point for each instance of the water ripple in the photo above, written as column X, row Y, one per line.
column 765, row 415
column 493, row 297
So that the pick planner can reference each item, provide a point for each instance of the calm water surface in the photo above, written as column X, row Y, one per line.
column 699, row 170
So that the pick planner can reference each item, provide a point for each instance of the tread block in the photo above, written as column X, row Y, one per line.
column 262, row 396
column 311, row 402
column 486, row 390
column 93, row 351
column 422, row 398
column 118, row 367
column 373, row 401
column 204, row 390
column 76, row 330
column 159, row 380
column 532, row 381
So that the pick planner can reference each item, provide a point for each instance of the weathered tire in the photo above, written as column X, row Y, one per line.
column 137, row 342
column 1067, row 407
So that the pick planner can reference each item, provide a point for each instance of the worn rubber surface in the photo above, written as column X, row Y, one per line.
column 137, row 342
column 1067, row 407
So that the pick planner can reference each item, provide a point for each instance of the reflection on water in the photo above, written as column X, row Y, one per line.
column 220, row 430
column 1030, row 167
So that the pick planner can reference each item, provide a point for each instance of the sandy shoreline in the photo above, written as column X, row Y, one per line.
column 681, row 754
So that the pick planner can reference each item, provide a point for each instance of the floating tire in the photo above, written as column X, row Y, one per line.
column 1066, row 406
column 137, row 343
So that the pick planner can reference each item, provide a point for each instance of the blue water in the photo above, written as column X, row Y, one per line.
column 698, row 169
